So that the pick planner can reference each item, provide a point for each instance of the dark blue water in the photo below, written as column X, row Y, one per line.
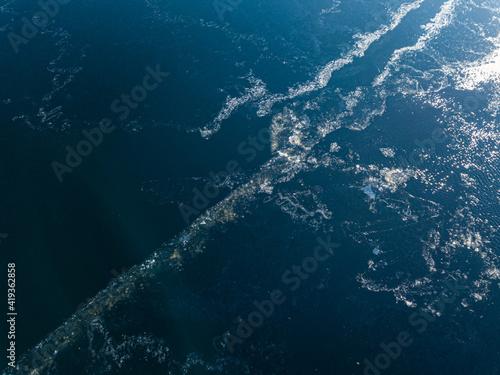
column 372, row 124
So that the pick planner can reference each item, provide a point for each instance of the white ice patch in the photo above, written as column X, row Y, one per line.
column 392, row 179
column 334, row 147
column 266, row 187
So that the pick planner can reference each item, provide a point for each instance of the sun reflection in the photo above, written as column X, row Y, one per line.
column 484, row 70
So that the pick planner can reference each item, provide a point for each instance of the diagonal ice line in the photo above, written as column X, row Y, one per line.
column 280, row 168
column 283, row 167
